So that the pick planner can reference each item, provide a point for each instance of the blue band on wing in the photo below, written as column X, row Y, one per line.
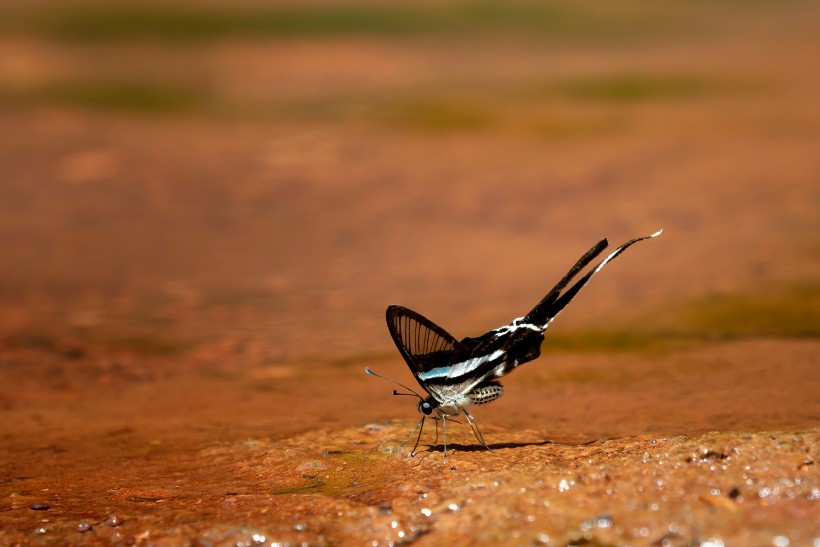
column 435, row 373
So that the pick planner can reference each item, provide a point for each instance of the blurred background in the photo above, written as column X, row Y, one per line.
column 206, row 207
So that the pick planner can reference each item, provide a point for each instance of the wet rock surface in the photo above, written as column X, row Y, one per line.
column 346, row 486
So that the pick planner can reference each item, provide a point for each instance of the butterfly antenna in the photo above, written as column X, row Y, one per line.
column 370, row 372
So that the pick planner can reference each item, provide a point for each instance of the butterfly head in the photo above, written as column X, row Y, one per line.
column 426, row 406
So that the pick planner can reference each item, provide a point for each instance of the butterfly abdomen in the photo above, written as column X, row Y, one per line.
column 485, row 393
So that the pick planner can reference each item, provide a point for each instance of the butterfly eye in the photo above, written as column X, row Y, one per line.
column 425, row 408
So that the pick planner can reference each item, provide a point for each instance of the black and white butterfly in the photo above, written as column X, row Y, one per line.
column 458, row 374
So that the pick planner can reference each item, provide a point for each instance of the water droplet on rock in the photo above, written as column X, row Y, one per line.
column 40, row 506
column 113, row 520
column 390, row 447
column 84, row 526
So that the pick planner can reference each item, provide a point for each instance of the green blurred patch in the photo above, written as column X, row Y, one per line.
column 429, row 112
column 341, row 474
column 788, row 312
column 139, row 97
column 434, row 109
column 129, row 21
column 139, row 344
column 596, row 341
column 436, row 115
column 624, row 376
column 791, row 312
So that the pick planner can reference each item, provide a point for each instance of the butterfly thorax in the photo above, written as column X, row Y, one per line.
column 448, row 407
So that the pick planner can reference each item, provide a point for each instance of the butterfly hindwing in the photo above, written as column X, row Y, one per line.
column 543, row 311
column 552, row 304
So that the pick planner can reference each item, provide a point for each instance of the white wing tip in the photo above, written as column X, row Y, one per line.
column 656, row 234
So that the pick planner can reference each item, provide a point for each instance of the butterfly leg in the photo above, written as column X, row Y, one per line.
column 444, row 426
column 412, row 433
column 419, row 428
column 476, row 430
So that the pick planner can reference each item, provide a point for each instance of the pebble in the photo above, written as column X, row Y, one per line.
column 40, row 506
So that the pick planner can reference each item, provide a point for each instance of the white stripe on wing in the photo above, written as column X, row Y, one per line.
column 460, row 369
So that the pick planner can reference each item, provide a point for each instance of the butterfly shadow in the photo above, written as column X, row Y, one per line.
column 497, row 446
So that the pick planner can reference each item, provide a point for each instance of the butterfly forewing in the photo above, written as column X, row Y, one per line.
column 422, row 343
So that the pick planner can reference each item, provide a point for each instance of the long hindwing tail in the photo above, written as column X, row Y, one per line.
column 540, row 314
column 546, row 311
column 422, row 343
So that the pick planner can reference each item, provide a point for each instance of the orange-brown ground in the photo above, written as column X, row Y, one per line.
column 196, row 262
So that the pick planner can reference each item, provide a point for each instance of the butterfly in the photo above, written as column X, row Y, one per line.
column 457, row 374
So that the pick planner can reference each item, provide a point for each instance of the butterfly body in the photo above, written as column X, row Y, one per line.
column 454, row 403
column 485, row 393
column 459, row 374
